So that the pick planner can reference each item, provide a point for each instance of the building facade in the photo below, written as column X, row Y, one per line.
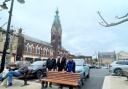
column 122, row 55
column 88, row 59
column 105, row 58
column 13, row 42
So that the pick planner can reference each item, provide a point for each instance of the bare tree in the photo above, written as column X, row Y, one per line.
column 121, row 19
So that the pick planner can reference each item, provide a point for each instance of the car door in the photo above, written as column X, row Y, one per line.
column 125, row 66
column 44, row 67
column 86, row 69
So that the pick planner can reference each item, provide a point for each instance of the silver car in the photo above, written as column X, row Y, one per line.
column 117, row 67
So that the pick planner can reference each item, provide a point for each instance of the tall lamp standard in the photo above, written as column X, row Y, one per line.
column 6, row 44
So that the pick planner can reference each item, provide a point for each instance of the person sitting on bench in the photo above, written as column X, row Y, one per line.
column 16, row 73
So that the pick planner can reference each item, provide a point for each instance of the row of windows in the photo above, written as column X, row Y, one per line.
column 37, row 49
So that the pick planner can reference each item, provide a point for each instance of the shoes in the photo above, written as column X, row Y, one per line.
column 50, row 86
column 45, row 86
column 60, row 87
column 10, row 84
column 2, row 79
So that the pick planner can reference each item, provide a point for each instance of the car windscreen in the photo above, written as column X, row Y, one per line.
column 38, row 63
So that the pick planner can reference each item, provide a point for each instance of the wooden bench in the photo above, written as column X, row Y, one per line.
column 24, row 77
column 12, row 66
column 62, row 78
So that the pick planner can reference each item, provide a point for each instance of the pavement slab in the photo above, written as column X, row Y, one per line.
column 17, row 84
column 115, row 82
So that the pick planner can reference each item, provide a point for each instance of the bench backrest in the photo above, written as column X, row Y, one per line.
column 63, row 76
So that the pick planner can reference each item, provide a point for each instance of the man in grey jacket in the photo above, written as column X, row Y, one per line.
column 16, row 73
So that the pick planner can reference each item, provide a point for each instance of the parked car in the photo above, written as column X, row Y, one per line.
column 117, row 67
column 82, row 68
column 38, row 68
column 91, row 66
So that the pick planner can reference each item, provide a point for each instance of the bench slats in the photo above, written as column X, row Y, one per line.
column 61, row 82
column 65, row 78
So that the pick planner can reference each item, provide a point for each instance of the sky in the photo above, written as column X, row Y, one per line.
column 81, row 32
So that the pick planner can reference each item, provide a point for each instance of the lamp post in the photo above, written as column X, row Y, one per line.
column 6, row 44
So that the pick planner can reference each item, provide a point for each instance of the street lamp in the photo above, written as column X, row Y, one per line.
column 6, row 44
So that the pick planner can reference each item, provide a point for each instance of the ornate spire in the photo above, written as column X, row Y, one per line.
column 57, row 12
column 56, row 19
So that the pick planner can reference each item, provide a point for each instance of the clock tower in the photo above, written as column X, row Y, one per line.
column 56, row 34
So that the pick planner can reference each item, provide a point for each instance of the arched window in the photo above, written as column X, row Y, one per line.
column 45, row 52
column 41, row 50
column 27, row 47
column 37, row 49
column 50, row 52
column 31, row 49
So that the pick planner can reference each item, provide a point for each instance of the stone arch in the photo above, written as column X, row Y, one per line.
column 36, row 49
column 51, row 52
column 44, row 51
column 27, row 47
column 32, row 46
column 41, row 49
column 48, row 51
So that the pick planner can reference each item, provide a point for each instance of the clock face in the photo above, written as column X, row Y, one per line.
column 53, row 40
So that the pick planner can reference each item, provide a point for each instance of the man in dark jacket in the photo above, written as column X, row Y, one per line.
column 61, row 64
column 51, row 66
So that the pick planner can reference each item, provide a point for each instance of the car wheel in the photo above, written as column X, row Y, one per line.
column 82, row 82
column 38, row 74
column 88, row 76
column 84, row 75
column 78, row 87
column 118, row 72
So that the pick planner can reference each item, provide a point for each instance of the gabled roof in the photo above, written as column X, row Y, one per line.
column 30, row 38
column 106, row 54
column 26, row 37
